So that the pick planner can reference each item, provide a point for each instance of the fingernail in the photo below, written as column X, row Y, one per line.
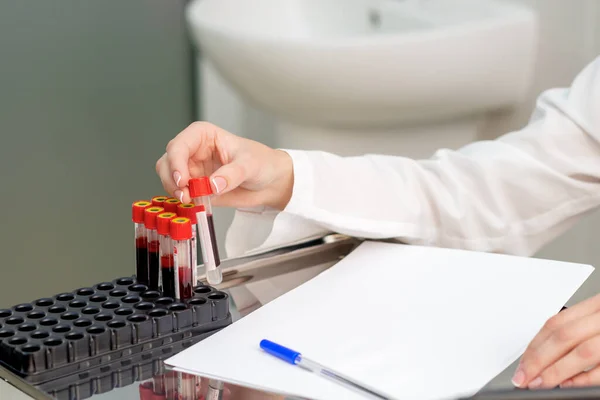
column 566, row 384
column 176, row 178
column 537, row 382
column 219, row 184
column 179, row 195
column 518, row 378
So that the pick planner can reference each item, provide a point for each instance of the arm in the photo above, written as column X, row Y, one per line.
column 512, row 195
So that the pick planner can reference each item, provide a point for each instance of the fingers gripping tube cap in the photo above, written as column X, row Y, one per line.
column 200, row 187
column 137, row 210
column 181, row 228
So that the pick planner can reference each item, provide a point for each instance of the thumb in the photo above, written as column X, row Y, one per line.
column 228, row 177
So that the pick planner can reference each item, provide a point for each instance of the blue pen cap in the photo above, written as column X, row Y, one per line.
column 279, row 351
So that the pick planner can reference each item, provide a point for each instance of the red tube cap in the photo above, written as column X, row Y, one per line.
column 163, row 222
column 150, row 215
column 137, row 210
column 188, row 210
column 171, row 204
column 200, row 187
column 181, row 228
column 159, row 201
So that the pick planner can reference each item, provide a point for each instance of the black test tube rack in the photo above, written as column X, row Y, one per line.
column 103, row 328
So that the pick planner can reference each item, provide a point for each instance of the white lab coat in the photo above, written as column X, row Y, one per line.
column 510, row 195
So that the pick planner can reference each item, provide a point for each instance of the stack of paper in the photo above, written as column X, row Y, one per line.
column 413, row 322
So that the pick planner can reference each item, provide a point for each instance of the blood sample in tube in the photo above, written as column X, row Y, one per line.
column 141, row 252
column 150, row 216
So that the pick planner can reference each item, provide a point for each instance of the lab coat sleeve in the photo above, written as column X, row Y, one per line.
column 510, row 195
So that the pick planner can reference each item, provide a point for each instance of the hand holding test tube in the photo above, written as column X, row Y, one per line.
column 200, row 192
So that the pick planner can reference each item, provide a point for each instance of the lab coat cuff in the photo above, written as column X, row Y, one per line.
column 302, row 192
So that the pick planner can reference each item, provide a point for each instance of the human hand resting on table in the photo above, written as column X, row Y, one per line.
column 243, row 173
column 566, row 350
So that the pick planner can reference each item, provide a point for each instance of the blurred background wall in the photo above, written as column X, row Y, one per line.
column 90, row 93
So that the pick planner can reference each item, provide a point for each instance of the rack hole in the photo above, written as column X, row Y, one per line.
column 61, row 328
column 17, row 341
column 144, row 306
column 65, row 297
column 137, row 318
column 57, row 309
column 44, row 302
column 4, row 333
column 78, row 304
column 197, row 301
column 124, row 281
column 14, row 320
column 48, row 321
column 98, row 298
column 177, row 307
column 27, row 327
column 80, row 323
column 40, row 334
column 86, row 291
column 118, row 293
column 23, row 308
column 138, row 287
column 216, row 296
column 90, row 310
column 151, row 294
column 106, row 286
column 130, row 299
column 53, row 342
column 111, row 305
column 74, row 336
column 116, row 324
column 96, row 330
column 165, row 301
column 31, row 348
column 159, row 312
column 5, row 313
column 36, row 315
column 103, row 317
column 202, row 289
column 68, row 316
column 124, row 311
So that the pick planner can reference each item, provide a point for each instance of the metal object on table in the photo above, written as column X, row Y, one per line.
column 249, row 269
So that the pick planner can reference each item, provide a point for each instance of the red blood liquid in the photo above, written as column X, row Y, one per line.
column 213, row 239
column 168, row 275
column 159, row 384
column 185, row 282
column 153, row 264
column 141, row 260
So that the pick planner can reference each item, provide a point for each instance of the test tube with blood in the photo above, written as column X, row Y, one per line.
column 150, row 217
column 159, row 201
column 170, row 204
column 141, row 252
column 188, row 210
column 200, row 192
column 181, row 234
column 165, row 250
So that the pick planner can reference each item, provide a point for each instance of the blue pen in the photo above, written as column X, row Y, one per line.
column 295, row 358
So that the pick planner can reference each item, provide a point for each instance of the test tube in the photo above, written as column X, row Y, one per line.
column 159, row 201
column 141, row 252
column 181, row 233
column 165, row 250
column 188, row 210
column 186, row 386
column 171, row 204
column 150, row 215
column 200, row 192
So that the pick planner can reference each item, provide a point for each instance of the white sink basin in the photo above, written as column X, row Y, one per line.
column 369, row 63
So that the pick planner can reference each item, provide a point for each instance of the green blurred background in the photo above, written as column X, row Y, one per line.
column 90, row 93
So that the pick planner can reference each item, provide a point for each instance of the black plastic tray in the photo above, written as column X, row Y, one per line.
column 95, row 326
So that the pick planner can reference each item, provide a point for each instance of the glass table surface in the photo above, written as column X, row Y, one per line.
column 153, row 380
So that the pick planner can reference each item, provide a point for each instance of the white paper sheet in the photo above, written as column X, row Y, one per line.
column 413, row 322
